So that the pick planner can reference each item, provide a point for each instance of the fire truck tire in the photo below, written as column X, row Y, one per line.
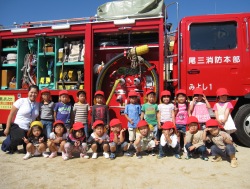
column 242, row 122
column 115, row 59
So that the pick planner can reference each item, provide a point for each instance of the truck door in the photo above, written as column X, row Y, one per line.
column 211, row 55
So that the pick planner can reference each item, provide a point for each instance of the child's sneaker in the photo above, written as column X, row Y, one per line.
column 65, row 158
column 53, row 154
column 217, row 159
column 138, row 155
column 82, row 155
column 177, row 156
column 112, row 156
column 128, row 154
column 234, row 162
column 27, row 156
column 160, row 156
column 94, row 155
column 45, row 155
column 106, row 155
column 204, row 158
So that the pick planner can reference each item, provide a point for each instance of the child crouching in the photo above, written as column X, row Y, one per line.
column 116, row 139
column 99, row 139
column 145, row 139
column 169, row 140
column 57, row 139
column 36, row 141
column 76, row 142
column 223, row 144
column 194, row 139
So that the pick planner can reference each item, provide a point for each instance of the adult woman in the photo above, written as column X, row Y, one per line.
column 26, row 110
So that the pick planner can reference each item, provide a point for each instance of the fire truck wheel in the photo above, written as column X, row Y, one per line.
column 242, row 122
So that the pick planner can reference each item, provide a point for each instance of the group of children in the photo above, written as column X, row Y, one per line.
column 151, row 127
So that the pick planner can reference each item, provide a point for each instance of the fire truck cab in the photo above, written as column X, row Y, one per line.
column 213, row 52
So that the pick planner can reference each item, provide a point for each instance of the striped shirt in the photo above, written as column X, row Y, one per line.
column 81, row 112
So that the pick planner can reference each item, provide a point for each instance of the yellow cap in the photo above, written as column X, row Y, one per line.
column 36, row 123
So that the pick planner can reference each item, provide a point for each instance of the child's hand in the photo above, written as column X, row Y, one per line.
column 100, row 141
column 131, row 121
column 41, row 140
column 207, row 129
column 159, row 126
column 195, row 99
column 204, row 98
column 123, row 130
column 25, row 140
column 221, row 122
column 77, row 143
column 191, row 148
column 96, row 139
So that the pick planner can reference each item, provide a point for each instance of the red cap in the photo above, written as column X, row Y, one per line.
column 168, row 125
column 222, row 91
column 212, row 123
column 165, row 93
column 99, row 93
column 181, row 91
column 45, row 90
column 198, row 91
column 63, row 92
column 142, row 123
column 132, row 93
column 77, row 126
column 150, row 91
column 114, row 122
column 58, row 122
column 98, row 122
column 192, row 119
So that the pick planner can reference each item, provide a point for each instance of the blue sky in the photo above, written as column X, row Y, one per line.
column 20, row 11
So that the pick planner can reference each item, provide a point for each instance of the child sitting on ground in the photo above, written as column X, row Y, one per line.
column 36, row 141
column 223, row 144
column 76, row 142
column 117, row 139
column 169, row 140
column 99, row 139
column 145, row 139
column 57, row 139
column 194, row 139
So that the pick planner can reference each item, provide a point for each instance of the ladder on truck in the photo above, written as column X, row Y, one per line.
column 168, row 63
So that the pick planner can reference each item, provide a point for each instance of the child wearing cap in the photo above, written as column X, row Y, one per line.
column 149, row 112
column 132, row 113
column 169, row 140
column 81, row 109
column 117, row 139
column 222, row 142
column 145, row 139
column 198, row 107
column 166, row 110
column 63, row 110
column 76, row 142
column 35, row 141
column 46, row 111
column 181, row 113
column 99, row 139
column 194, row 139
column 222, row 111
column 57, row 139
column 100, row 111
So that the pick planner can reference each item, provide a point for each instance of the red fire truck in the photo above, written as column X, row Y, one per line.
column 130, row 53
